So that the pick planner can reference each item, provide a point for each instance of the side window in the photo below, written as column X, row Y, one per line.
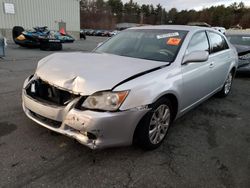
column 198, row 42
column 218, row 43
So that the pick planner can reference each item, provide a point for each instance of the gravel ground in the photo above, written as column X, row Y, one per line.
column 207, row 147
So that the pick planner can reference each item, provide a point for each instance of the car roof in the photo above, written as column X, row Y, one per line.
column 174, row 27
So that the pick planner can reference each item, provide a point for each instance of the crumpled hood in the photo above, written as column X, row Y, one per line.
column 87, row 73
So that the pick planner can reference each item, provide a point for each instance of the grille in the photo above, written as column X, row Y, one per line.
column 47, row 121
column 44, row 92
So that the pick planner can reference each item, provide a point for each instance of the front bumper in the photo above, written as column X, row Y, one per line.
column 108, row 128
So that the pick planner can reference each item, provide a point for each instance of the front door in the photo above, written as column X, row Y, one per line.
column 196, row 76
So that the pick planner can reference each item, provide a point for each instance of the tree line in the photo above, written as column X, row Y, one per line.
column 100, row 14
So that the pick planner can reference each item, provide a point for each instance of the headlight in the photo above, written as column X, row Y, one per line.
column 109, row 101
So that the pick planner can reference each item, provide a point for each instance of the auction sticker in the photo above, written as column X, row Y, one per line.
column 167, row 35
column 173, row 41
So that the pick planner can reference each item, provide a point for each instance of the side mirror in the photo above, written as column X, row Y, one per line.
column 196, row 57
column 99, row 44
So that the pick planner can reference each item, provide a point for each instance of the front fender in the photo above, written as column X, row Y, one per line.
column 150, row 87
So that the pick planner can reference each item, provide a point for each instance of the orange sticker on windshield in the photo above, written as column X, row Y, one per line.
column 173, row 41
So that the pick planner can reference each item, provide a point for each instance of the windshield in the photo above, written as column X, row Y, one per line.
column 239, row 39
column 150, row 44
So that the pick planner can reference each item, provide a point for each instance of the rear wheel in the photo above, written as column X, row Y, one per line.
column 153, row 128
column 227, row 85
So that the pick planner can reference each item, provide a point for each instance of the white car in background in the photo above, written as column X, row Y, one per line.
column 112, row 33
column 220, row 29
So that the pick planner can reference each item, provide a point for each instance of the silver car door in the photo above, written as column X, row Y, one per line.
column 196, row 76
column 220, row 59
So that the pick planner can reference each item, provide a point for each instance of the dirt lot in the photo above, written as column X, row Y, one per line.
column 208, row 147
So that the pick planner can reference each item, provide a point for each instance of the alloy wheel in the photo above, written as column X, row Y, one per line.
column 228, row 83
column 159, row 124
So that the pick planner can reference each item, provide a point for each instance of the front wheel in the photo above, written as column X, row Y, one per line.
column 227, row 86
column 153, row 128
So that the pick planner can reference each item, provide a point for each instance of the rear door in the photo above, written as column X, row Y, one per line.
column 196, row 76
column 220, row 59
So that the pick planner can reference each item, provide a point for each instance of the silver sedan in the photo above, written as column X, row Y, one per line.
column 132, row 87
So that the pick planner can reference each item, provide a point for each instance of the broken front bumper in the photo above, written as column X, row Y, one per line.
column 90, row 128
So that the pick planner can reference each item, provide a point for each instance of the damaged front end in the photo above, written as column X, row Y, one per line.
column 44, row 92
column 49, row 106
column 56, row 109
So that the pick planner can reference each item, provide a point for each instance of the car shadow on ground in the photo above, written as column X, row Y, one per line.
column 243, row 75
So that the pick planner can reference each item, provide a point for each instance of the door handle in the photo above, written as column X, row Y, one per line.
column 211, row 64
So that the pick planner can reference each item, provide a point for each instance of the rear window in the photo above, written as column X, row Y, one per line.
column 218, row 43
column 150, row 44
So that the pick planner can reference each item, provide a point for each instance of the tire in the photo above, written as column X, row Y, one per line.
column 44, row 46
column 152, row 129
column 16, row 31
column 50, row 46
column 227, row 86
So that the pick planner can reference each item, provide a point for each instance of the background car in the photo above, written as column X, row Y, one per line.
column 220, row 29
column 241, row 40
column 89, row 32
column 114, row 32
column 200, row 24
column 98, row 32
column 106, row 33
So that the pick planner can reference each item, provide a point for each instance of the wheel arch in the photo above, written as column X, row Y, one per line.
column 175, row 105
column 173, row 99
column 233, row 69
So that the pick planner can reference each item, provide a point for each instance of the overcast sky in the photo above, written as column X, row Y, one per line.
column 189, row 4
